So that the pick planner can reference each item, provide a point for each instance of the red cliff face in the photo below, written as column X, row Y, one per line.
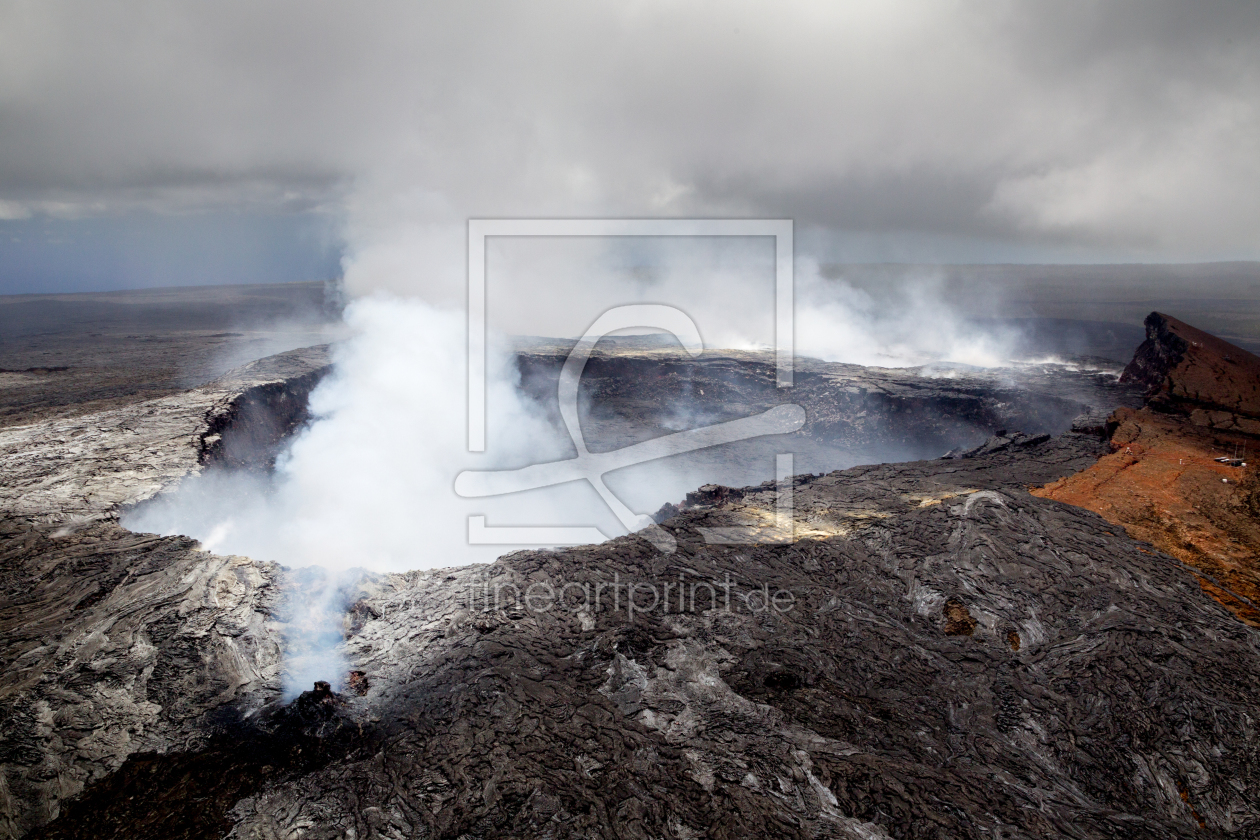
column 1188, row 371
column 1163, row 482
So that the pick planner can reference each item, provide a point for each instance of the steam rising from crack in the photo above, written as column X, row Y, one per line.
column 312, row 616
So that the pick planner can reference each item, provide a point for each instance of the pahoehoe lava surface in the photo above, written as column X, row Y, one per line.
column 1096, row 692
column 937, row 654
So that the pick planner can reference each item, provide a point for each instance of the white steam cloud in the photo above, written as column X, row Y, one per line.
column 912, row 323
column 369, row 484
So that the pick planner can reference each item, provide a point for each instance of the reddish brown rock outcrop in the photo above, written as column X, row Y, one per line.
column 1187, row 371
column 1164, row 486
column 1163, row 482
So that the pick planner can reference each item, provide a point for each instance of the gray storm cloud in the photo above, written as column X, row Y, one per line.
column 1121, row 125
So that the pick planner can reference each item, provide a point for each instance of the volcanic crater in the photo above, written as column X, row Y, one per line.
column 1014, row 640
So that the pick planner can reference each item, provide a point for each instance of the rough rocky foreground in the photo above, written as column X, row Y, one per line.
column 937, row 654
column 956, row 658
column 113, row 642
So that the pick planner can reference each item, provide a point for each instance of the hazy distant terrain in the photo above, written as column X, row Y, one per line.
column 88, row 349
column 78, row 352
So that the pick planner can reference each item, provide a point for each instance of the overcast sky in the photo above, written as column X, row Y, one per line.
column 161, row 143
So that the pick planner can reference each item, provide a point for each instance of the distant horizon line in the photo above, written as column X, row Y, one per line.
column 1255, row 264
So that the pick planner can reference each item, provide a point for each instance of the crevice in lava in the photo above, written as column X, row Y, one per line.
column 251, row 430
